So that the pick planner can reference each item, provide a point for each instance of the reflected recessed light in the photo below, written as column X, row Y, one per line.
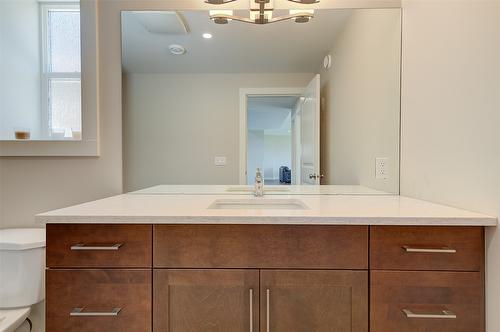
column 207, row 35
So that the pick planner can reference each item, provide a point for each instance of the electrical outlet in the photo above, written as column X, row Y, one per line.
column 220, row 161
column 382, row 168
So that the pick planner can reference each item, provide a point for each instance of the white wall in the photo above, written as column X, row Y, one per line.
column 269, row 140
column 19, row 67
column 268, row 152
column 361, row 101
column 451, row 114
column 30, row 185
column 255, row 153
column 277, row 153
column 175, row 124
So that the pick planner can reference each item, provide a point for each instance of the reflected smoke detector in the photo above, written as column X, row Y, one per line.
column 177, row 49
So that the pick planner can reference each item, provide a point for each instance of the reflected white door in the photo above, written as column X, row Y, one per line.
column 310, row 149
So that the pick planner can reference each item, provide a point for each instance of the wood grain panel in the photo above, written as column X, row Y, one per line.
column 314, row 301
column 387, row 248
column 426, row 292
column 98, row 290
column 136, row 251
column 260, row 246
column 205, row 300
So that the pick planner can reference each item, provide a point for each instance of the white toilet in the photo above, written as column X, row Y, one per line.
column 22, row 275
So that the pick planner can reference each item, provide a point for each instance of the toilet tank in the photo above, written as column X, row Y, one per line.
column 22, row 267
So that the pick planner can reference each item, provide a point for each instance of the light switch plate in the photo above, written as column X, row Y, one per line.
column 220, row 161
column 382, row 168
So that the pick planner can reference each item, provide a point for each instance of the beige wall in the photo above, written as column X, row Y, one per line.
column 30, row 185
column 175, row 124
column 361, row 101
column 451, row 114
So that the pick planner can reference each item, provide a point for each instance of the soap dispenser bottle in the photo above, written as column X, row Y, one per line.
column 259, row 184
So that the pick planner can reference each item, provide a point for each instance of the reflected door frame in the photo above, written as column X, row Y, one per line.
column 243, row 116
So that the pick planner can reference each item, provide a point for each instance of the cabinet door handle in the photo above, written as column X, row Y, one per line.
column 78, row 312
column 82, row 246
column 437, row 250
column 268, row 319
column 251, row 309
column 444, row 314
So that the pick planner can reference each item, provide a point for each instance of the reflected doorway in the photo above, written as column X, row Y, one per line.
column 280, row 134
column 270, row 143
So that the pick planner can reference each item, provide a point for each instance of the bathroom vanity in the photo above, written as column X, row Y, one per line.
column 343, row 263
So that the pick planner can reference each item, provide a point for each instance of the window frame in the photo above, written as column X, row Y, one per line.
column 46, row 75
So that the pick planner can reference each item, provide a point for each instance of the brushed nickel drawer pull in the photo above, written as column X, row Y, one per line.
column 82, row 246
column 440, row 250
column 251, row 310
column 445, row 314
column 78, row 312
column 268, row 319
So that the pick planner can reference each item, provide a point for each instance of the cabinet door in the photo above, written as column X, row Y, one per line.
column 206, row 300
column 314, row 301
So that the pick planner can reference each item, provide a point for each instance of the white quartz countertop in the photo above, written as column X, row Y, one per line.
column 157, row 208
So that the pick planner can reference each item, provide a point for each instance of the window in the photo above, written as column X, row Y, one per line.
column 61, row 73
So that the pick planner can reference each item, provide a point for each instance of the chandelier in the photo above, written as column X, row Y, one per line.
column 261, row 12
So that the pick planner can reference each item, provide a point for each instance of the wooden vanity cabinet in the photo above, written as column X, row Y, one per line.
column 96, row 246
column 281, row 300
column 205, row 300
column 422, row 301
column 313, row 300
column 426, row 248
column 267, row 278
column 98, row 300
column 426, row 279
column 260, row 246
column 98, row 278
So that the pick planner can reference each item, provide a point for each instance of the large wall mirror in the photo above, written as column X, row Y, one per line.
column 315, row 106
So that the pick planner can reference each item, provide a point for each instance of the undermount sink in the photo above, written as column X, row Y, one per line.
column 258, row 204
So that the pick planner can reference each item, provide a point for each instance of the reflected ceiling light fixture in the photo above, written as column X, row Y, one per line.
column 207, row 35
column 219, row 2
column 305, row 2
column 261, row 12
column 221, row 16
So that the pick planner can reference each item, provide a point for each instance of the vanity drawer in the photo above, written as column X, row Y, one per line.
column 426, row 248
column 260, row 246
column 408, row 301
column 94, row 245
column 98, row 300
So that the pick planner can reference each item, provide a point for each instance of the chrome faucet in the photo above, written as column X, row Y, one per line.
column 259, row 184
